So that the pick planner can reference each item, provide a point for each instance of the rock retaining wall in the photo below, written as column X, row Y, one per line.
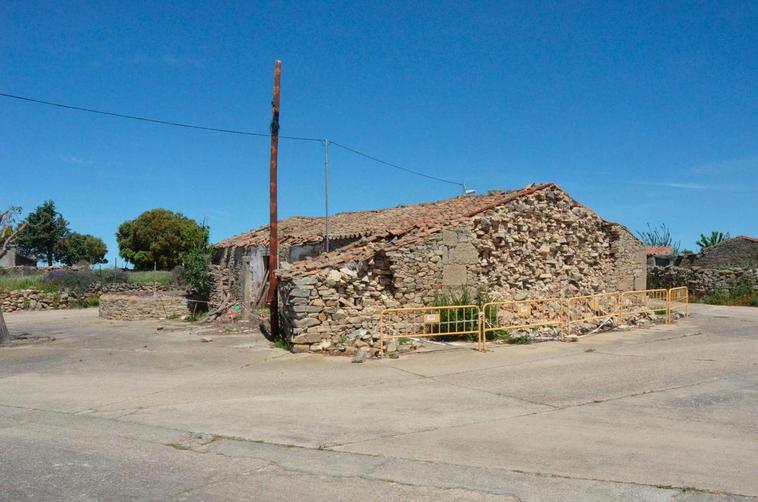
column 140, row 307
column 32, row 299
column 29, row 299
column 701, row 281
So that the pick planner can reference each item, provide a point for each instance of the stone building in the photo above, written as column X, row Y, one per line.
column 533, row 242
column 11, row 258
column 741, row 251
column 660, row 256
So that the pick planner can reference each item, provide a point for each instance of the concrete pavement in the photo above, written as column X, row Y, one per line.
column 113, row 411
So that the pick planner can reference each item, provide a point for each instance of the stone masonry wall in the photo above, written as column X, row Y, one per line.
column 32, row 299
column 544, row 244
column 739, row 252
column 225, row 284
column 701, row 281
column 140, row 307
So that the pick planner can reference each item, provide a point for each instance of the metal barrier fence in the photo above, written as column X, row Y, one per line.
column 645, row 301
column 522, row 314
column 678, row 301
column 592, row 307
column 431, row 322
column 498, row 317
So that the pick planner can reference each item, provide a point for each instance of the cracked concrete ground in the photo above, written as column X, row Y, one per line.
column 113, row 411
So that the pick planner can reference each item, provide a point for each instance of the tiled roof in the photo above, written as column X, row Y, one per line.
column 433, row 221
column 379, row 224
column 658, row 250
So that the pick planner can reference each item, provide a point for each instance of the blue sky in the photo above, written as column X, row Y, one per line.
column 646, row 112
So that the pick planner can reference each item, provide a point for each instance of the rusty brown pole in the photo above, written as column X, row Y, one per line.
column 273, row 256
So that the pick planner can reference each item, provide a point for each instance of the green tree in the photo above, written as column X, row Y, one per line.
column 83, row 247
column 44, row 234
column 159, row 238
column 710, row 240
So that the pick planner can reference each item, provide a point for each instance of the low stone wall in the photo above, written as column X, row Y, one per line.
column 29, row 299
column 140, row 307
column 701, row 281
column 32, row 299
column 127, row 287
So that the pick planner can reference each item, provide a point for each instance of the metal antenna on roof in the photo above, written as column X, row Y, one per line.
column 326, row 194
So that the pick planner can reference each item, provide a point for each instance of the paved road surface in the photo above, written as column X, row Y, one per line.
column 117, row 411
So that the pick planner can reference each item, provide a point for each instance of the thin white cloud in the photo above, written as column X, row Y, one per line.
column 730, row 166
column 180, row 61
column 77, row 161
column 691, row 186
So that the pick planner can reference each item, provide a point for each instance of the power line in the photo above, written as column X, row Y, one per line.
column 152, row 120
column 227, row 131
column 380, row 161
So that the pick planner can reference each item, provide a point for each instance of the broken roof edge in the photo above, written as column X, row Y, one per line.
column 377, row 243
column 343, row 255
column 257, row 238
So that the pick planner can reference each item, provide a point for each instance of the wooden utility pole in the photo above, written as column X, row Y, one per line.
column 273, row 247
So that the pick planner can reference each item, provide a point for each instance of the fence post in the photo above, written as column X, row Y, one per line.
column 620, row 308
column 481, row 329
column 381, row 334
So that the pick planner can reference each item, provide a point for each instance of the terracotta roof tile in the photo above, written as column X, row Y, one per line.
column 379, row 224
column 658, row 250
column 432, row 220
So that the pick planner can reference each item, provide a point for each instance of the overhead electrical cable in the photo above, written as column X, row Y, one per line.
column 226, row 131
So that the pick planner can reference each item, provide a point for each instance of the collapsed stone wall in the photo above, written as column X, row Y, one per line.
column 140, row 307
column 701, row 281
column 225, row 285
column 543, row 244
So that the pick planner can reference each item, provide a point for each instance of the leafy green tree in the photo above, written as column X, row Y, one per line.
column 83, row 247
column 710, row 240
column 44, row 234
column 159, row 238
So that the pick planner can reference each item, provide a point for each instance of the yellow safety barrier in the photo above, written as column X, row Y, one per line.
column 476, row 323
column 645, row 301
column 522, row 314
column 592, row 307
column 430, row 322
column 678, row 301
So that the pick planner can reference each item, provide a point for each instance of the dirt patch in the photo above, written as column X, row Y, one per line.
column 26, row 339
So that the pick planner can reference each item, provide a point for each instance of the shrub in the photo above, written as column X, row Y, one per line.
column 742, row 293
column 195, row 264
column 77, row 281
column 111, row 276
column 461, row 318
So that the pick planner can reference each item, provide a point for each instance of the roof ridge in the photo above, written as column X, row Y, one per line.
column 397, row 220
